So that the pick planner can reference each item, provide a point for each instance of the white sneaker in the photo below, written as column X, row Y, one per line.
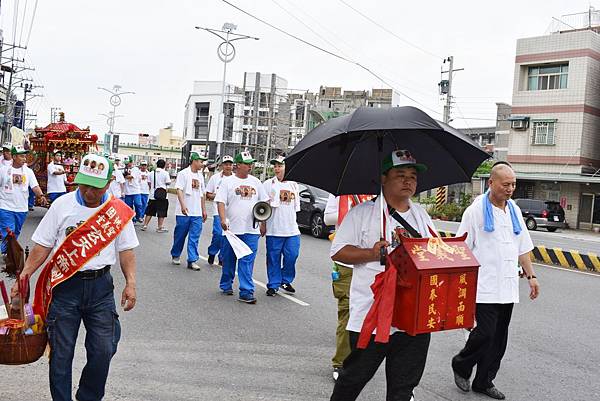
column 176, row 261
column 194, row 266
column 144, row 228
column 162, row 230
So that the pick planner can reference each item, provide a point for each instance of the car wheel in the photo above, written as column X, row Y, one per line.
column 317, row 226
column 551, row 229
column 531, row 224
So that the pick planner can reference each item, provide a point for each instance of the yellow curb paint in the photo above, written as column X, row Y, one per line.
column 561, row 257
column 544, row 254
column 594, row 258
column 578, row 261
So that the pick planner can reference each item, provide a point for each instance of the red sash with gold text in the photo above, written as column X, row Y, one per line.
column 79, row 247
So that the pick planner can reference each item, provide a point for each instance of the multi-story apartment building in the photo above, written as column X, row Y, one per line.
column 554, row 142
column 203, row 120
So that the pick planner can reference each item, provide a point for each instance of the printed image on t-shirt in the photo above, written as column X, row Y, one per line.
column 195, row 184
column 245, row 191
column 18, row 179
column 286, row 196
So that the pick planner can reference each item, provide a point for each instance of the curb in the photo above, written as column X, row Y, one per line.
column 558, row 257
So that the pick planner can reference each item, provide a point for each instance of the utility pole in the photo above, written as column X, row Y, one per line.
column 53, row 113
column 226, row 53
column 446, row 89
column 115, row 101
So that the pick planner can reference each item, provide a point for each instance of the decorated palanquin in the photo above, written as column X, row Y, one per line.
column 73, row 141
column 436, row 284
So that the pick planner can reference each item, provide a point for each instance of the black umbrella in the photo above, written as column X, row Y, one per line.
column 343, row 155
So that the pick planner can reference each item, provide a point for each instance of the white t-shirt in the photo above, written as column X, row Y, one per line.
column 67, row 212
column 56, row 183
column 497, row 252
column 285, row 202
column 163, row 179
column 145, row 182
column 14, row 187
column 213, row 186
column 361, row 228
column 115, row 185
column 132, row 184
column 6, row 162
column 239, row 195
column 192, row 185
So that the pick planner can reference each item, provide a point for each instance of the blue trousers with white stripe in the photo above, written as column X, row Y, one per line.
column 287, row 248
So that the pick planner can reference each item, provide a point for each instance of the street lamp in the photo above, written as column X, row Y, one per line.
column 115, row 101
column 226, row 53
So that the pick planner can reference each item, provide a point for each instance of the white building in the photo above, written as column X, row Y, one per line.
column 201, row 118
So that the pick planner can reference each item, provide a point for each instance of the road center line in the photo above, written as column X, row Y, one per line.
column 568, row 270
column 263, row 285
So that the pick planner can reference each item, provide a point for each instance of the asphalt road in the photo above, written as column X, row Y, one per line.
column 186, row 341
column 578, row 240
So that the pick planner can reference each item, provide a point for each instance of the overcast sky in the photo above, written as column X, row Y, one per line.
column 152, row 48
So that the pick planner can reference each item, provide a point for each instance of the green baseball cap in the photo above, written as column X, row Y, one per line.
column 94, row 170
column 401, row 158
column 196, row 156
column 18, row 150
column 278, row 160
column 244, row 158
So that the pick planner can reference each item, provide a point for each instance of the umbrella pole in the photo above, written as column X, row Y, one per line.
column 383, row 251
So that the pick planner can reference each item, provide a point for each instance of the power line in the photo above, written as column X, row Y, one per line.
column 23, row 22
column 391, row 32
column 31, row 25
column 371, row 72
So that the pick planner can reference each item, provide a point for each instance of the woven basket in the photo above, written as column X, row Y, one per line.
column 20, row 349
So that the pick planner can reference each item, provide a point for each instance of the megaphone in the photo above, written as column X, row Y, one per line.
column 262, row 211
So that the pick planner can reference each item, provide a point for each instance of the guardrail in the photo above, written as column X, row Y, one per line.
column 558, row 257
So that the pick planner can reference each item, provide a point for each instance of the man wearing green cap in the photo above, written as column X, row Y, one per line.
column 212, row 187
column 358, row 243
column 56, row 177
column 15, row 182
column 76, row 284
column 133, row 189
column 235, row 199
column 190, row 211
column 283, row 235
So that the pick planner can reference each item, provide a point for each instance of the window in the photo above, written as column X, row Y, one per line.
column 543, row 132
column 547, row 77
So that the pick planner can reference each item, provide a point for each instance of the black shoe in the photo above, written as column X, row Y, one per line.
column 271, row 292
column 249, row 299
column 336, row 373
column 220, row 263
column 461, row 382
column 211, row 259
column 288, row 288
column 227, row 292
column 491, row 392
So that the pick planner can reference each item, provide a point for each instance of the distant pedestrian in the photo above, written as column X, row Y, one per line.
column 133, row 197
column 144, row 185
column 15, row 182
column 236, row 199
column 211, row 190
column 117, row 183
column 190, row 212
column 159, row 203
column 283, row 235
column 6, row 155
column 498, row 237
column 56, row 177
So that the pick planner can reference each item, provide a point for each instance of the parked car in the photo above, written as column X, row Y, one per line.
column 539, row 213
column 312, row 208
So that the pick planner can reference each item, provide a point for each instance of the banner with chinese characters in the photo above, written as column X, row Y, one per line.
column 79, row 247
column 437, row 285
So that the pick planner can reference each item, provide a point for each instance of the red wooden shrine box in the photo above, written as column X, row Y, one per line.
column 437, row 285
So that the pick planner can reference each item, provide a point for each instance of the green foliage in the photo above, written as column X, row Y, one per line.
column 484, row 168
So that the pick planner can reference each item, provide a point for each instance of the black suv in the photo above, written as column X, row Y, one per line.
column 312, row 209
column 545, row 214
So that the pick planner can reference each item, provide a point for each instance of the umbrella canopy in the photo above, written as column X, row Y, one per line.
column 343, row 155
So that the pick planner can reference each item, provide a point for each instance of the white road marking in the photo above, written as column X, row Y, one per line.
column 263, row 285
column 568, row 270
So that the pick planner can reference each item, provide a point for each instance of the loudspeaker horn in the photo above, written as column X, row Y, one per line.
column 262, row 211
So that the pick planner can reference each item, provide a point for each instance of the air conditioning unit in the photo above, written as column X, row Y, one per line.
column 519, row 124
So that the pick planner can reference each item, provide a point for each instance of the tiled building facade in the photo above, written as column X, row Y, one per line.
column 554, row 141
